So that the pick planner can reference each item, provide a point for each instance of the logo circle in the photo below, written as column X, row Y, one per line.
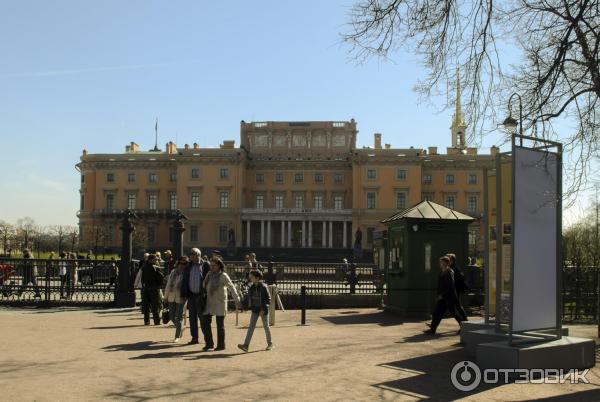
column 465, row 376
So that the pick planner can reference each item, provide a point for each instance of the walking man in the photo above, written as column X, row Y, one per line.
column 447, row 297
column 193, row 292
column 152, row 281
column 459, row 284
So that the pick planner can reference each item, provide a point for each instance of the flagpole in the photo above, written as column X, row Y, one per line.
column 156, row 136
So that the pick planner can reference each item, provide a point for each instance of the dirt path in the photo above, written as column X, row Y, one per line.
column 342, row 355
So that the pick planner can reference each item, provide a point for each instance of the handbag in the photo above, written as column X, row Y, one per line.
column 165, row 316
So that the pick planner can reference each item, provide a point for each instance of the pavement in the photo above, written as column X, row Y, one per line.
column 69, row 354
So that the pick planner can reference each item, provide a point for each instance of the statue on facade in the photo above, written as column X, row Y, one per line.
column 358, row 251
column 231, row 242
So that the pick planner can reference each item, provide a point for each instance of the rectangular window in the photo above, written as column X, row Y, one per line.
column 195, row 173
column 371, row 174
column 401, row 174
column 279, row 178
column 153, row 178
column 224, row 173
column 260, row 178
column 472, row 205
column 110, row 201
column 130, row 177
column 371, row 200
column 318, row 201
column 318, row 177
column 338, row 178
column 172, row 177
column 450, row 201
column 110, row 177
column 172, row 200
column 279, row 201
column 223, row 232
column 400, row 200
column 193, row 232
column 299, row 201
column 195, row 201
column 449, row 179
column 472, row 178
column 338, row 202
column 224, row 199
column 260, row 201
column 151, row 234
column 152, row 201
column 427, row 197
column 130, row 201
column 426, row 179
column 299, row 177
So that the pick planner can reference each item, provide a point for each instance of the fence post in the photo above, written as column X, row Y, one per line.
column 47, row 281
column 273, row 306
column 303, row 305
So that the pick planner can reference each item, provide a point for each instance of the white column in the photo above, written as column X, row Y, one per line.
column 330, row 234
column 269, row 233
column 345, row 235
column 282, row 234
column 324, row 238
column 248, row 233
column 310, row 243
column 262, row 233
column 303, row 234
column 289, row 233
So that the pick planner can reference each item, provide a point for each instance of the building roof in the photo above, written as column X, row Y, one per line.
column 429, row 210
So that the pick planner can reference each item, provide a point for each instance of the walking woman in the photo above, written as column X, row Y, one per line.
column 258, row 302
column 173, row 296
column 216, row 284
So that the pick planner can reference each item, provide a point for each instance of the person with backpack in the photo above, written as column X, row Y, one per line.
column 152, row 281
column 259, row 300
column 459, row 284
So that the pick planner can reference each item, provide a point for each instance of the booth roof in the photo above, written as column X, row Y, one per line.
column 429, row 210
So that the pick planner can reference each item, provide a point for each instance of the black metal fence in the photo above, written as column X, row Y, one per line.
column 25, row 281
column 324, row 278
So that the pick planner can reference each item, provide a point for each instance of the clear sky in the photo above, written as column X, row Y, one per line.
column 95, row 75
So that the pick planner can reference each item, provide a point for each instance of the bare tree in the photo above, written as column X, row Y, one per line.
column 545, row 50
column 7, row 234
column 25, row 231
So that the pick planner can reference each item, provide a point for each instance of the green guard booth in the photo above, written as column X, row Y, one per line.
column 416, row 238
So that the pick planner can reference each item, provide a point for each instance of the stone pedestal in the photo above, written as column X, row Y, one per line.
column 565, row 353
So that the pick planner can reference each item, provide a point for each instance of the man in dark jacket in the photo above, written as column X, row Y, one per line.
column 193, row 292
column 447, row 297
column 459, row 284
column 152, row 281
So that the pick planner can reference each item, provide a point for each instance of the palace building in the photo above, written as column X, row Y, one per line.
column 289, row 186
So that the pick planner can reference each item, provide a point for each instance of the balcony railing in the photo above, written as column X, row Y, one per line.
column 297, row 211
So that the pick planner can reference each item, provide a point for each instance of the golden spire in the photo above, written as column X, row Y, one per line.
column 458, row 119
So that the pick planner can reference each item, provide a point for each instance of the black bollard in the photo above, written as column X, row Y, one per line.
column 303, row 305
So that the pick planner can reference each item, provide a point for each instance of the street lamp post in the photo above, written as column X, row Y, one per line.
column 510, row 123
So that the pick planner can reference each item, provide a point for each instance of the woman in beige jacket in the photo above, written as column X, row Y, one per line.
column 216, row 284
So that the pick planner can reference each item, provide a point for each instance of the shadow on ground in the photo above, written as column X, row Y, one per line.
column 138, row 346
column 380, row 318
column 428, row 377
